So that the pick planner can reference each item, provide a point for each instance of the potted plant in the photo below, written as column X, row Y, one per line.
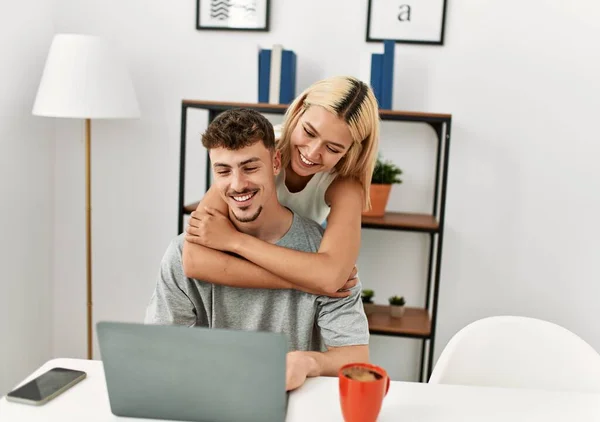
column 397, row 306
column 367, row 300
column 384, row 176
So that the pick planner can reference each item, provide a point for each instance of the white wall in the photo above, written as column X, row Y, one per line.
column 520, row 79
column 26, row 192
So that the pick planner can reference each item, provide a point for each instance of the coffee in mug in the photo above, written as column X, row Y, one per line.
column 359, row 373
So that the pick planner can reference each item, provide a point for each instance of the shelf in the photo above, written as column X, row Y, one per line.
column 391, row 221
column 281, row 108
column 417, row 323
column 402, row 221
column 414, row 323
column 220, row 105
column 413, row 116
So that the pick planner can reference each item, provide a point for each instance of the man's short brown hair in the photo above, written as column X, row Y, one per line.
column 238, row 128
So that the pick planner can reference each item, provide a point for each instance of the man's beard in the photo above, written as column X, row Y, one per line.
column 248, row 219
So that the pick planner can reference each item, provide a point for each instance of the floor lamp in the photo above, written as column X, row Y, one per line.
column 84, row 79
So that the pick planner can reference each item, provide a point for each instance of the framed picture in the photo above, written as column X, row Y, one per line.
column 232, row 15
column 406, row 21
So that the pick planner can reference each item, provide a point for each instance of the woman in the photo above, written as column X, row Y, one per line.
column 328, row 145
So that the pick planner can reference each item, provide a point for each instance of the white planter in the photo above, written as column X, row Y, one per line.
column 397, row 311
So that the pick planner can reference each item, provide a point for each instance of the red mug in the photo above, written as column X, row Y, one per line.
column 361, row 400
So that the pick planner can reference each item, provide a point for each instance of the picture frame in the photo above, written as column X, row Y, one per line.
column 233, row 15
column 407, row 21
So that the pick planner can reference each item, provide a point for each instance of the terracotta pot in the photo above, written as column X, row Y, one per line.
column 379, row 195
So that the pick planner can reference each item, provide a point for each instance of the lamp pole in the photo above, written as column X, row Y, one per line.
column 88, row 227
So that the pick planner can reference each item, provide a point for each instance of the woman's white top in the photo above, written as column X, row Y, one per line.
column 310, row 201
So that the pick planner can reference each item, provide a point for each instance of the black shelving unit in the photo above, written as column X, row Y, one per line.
column 417, row 323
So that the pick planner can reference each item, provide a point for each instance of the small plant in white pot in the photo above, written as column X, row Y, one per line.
column 367, row 300
column 397, row 306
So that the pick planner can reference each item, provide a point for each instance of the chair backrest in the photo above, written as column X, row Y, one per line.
column 518, row 352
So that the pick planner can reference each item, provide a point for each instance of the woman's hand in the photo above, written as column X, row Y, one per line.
column 212, row 229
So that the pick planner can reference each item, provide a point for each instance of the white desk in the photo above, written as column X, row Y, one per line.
column 318, row 400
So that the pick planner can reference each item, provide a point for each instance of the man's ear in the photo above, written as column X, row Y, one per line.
column 276, row 162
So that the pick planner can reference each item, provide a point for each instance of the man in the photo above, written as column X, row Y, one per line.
column 323, row 333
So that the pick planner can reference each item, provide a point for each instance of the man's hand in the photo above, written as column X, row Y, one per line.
column 299, row 365
column 211, row 229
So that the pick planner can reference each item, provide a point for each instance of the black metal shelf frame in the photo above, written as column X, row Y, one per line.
column 441, row 125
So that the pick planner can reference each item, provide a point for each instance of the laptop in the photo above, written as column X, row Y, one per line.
column 193, row 374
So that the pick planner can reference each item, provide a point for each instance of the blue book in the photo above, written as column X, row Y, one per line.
column 387, row 78
column 264, row 71
column 376, row 75
column 287, row 90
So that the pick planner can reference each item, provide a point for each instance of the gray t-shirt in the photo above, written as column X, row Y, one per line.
column 310, row 322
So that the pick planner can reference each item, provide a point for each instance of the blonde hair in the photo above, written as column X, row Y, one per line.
column 352, row 101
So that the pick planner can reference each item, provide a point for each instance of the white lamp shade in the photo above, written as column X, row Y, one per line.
column 84, row 79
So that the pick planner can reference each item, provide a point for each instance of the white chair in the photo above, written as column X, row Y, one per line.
column 518, row 352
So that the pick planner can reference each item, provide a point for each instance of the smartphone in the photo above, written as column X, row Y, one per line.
column 47, row 386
